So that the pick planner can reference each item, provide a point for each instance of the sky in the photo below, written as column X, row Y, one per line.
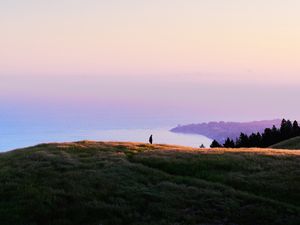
column 148, row 63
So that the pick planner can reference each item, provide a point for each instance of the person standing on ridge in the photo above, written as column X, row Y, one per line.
column 151, row 139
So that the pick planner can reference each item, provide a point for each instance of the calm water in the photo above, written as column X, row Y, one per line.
column 17, row 139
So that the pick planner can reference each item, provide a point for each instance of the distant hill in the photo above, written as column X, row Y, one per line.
column 221, row 130
column 293, row 143
column 134, row 183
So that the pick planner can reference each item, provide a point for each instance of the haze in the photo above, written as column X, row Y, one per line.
column 149, row 63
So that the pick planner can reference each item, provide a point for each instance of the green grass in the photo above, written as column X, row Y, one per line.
column 125, row 183
column 293, row 143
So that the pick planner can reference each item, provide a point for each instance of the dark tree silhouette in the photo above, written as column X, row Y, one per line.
column 229, row 143
column 286, row 129
column 296, row 129
column 215, row 144
column 255, row 140
column 269, row 137
column 275, row 134
column 243, row 141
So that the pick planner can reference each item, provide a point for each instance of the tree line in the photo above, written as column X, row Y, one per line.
column 269, row 137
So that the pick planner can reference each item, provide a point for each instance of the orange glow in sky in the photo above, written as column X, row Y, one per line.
column 158, row 37
column 177, row 49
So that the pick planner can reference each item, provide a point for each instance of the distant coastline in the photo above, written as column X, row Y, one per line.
column 221, row 130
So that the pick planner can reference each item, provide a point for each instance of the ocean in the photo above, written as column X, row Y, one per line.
column 18, row 138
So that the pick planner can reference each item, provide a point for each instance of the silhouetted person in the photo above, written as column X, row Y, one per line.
column 151, row 139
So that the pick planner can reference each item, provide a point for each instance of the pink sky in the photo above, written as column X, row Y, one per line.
column 162, row 56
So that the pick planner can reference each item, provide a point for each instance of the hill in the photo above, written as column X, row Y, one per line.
column 221, row 130
column 293, row 143
column 132, row 183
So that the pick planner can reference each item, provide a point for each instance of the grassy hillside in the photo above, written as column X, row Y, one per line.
column 293, row 143
column 129, row 183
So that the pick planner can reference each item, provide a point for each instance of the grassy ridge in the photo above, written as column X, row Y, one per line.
column 293, row 143
column 126, row 183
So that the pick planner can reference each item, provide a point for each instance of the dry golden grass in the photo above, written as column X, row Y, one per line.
column 90, row 183
column 86, row 144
